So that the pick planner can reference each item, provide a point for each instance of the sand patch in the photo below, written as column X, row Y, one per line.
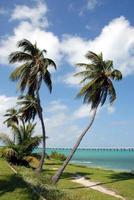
column 96, row 186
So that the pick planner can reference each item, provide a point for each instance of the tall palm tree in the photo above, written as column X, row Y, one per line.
column 21, row 151
column 97, row 76
column 30, row 75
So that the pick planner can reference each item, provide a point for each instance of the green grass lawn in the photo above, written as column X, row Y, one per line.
column 121, row 182
column 13, row 187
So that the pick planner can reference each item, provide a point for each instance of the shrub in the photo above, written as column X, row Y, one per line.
column 57, row 156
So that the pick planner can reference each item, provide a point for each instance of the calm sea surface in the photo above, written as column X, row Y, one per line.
column 108, row 159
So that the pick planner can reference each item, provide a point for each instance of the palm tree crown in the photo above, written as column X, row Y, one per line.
column 12, row 117
column 99, row 73
column 34, row 68
column 24, row 145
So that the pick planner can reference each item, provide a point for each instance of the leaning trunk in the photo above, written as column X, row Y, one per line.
column 56, row 177
column 39, row 168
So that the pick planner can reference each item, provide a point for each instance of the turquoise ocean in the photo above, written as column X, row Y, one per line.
column 115, row 159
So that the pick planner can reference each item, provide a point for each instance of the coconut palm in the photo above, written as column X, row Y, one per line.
column 21, row 151
column 28, row 107
column 97, row 77
column 30, row 76
column 12, row 117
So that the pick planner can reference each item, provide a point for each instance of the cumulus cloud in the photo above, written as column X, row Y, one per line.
column 116, row 41
column 6, row 102
column 36, row 15
column 32, row 24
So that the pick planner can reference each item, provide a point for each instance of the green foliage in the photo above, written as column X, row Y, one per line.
column 43, row 185
column 13, row 186
column 57, row 156
column 34, row 69
column 12, row 116
column 28, row 107
column 30, row 76
column 97, row 76
column 20, row 149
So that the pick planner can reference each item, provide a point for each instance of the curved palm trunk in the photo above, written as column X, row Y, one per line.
column 39, row 168
column 56, row 177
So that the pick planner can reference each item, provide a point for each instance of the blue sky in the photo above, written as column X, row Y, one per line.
column 67, row 30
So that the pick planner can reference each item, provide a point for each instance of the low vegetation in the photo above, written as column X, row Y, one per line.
column 57, row 156
column 121, row 182
column 18, row 149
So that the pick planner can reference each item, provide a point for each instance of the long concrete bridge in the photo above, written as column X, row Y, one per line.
column 99, row 149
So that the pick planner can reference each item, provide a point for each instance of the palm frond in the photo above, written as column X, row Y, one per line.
column 17, row 73
column 49, row 62
column 47, row 80
column 5, row 139
column 29, row 107
column 27, row 46
column 19, row 56
column 111, row 92
column 116, row 75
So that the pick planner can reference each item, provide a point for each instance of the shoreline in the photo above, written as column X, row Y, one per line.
column 100, row 167
column 95, row 168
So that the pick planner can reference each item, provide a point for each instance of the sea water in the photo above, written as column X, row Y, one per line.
column 115, row 159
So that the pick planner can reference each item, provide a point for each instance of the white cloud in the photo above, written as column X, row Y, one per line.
column 5, row 103
column 116, row 41
column 83, row 111
column 71, row 80
column 116, row 45
column 55, row 106
column 31, row 30
column 36, row 15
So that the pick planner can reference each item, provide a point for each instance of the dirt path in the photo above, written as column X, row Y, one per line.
column 96, row 186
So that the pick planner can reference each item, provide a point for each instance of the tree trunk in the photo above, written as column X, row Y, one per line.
column 56, row 177
column 39, row 168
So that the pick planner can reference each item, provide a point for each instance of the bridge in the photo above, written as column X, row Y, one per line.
column 98, row 149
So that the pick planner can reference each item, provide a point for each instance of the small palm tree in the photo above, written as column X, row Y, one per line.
column 97, row 76
column 30, row 76
column 12, row 117
column 21, row 151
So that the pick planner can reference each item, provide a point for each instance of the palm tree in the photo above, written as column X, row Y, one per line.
column 28, row 107
column 12, row 117
column 21, row 151
column 30, row 75
column 97, row 76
